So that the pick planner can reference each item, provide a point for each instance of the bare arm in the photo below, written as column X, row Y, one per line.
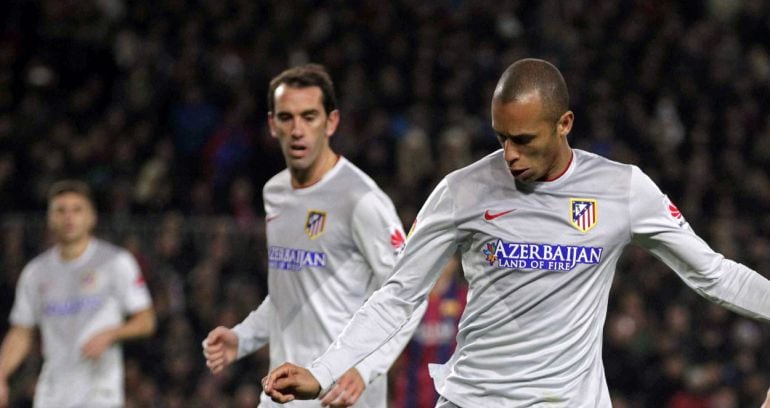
column 140, row 324
column 15, row 347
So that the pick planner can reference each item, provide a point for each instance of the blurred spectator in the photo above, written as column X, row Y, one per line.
column 414, row 159
column 242, row 204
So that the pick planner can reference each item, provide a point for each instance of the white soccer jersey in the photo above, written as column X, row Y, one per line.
column 539, row 259
column 71, row 301
column 330, row 246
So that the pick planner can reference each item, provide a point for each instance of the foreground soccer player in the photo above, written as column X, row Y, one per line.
column 332, row 237
column 78, row 293
column 540, row 227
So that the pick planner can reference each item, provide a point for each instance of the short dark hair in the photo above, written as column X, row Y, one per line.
column 71, row 186
column 530, row 74
column 305, row 76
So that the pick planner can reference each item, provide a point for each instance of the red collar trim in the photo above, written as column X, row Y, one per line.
column 571, row 157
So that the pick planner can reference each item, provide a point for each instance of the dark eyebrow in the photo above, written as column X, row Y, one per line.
column 303, row 113
column 522, row 135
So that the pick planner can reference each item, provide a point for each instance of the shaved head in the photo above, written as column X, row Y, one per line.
column 527, row 76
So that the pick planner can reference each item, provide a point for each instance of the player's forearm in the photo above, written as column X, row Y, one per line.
column 742, row 290
column 141, row 324
column 371, row 327
column 14, row 349
column 388, row 310
column 379, row 362
column 254, row 332
column 721, row 280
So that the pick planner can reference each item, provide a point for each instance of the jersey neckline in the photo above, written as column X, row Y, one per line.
column 83, row 258
column 546, row 184
column 323, row 180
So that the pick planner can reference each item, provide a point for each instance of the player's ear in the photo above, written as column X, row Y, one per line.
column 332, row 122
column 94, row 216
column 94, row 221
column 564, row 125
column 271, row 124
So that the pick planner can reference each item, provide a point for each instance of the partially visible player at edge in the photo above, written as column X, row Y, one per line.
column 332, row 238
column 540, row 227
column 78, row 293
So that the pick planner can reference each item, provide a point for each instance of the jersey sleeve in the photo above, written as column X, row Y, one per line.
column 433, row 240
column 659, row 226
column 24, row 312
column 130, row 285
column 378, row 234
column 254, row 331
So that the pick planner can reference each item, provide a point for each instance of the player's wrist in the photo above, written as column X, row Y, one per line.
column 322, row 376
column 113, row 336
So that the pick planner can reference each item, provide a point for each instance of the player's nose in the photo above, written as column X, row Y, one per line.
column 511, row 153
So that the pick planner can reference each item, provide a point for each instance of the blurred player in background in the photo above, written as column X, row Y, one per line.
column 541, row 227
column 332, row 238
column 78, row 293
column 432, row 342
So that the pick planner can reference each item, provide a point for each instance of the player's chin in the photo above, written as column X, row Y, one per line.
column 299, row 163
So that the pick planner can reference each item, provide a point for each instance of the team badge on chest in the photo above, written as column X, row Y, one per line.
column 315, row 223
column 88, row 281
column 584, row 213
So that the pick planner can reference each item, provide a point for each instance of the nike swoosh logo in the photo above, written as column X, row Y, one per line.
column 489, row 216
column 268, row 219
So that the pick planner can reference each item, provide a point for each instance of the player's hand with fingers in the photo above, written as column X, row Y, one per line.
column 289, row 382
column 346, row 390
column 220, row 348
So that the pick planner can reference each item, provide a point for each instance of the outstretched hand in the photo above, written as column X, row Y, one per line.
column 289, row 382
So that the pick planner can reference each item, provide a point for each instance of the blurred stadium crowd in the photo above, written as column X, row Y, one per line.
column 160, row 106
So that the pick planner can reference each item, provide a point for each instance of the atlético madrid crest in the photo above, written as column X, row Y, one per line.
column 315, row 223
column 584, row 213
column 88, row 280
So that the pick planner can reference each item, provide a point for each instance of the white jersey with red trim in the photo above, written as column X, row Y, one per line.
column 539, row 258
column 71, row 301
column 330, row 246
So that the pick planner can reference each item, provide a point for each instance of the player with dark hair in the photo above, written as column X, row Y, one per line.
column 332, row 238
column 78, row 293
column 541, row 227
